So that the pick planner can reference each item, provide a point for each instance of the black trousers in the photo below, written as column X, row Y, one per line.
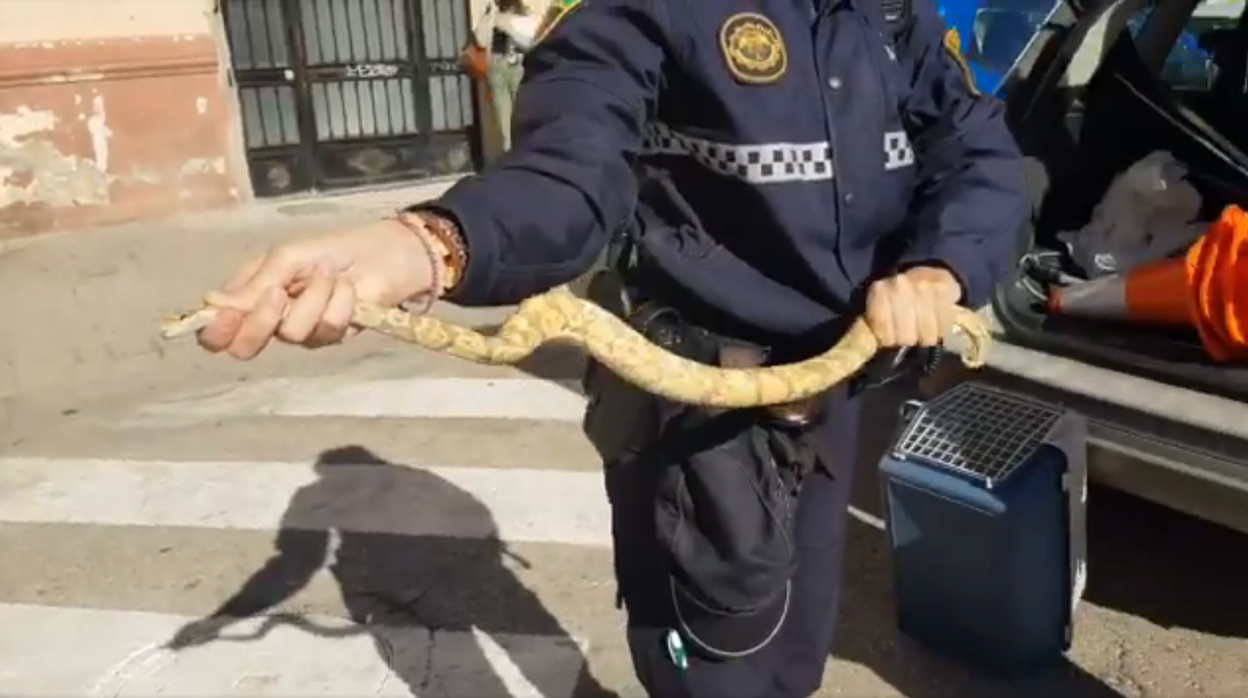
column 622, row 421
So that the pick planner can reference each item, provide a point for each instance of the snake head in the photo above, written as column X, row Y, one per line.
column 192, row 321
column 979, row 337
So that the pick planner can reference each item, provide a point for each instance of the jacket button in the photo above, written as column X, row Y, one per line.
column 834, row 83
column 848, row 199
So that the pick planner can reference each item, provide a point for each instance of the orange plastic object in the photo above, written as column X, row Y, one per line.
column 1218, row 286
column 1206, row 289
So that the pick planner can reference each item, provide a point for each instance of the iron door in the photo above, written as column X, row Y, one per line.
column 350, row 93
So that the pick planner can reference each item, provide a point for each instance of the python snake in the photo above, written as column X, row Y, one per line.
column 559, row 315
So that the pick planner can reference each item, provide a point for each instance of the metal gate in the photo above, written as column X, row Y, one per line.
column 340, row 93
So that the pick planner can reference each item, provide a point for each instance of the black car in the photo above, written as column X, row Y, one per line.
column 1096, row 90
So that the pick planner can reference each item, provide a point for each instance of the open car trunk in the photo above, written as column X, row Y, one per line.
column 1077, row 141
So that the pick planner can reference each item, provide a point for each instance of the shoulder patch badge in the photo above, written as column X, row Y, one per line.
column 953, row 46
column 555, row 13
column 753, row 48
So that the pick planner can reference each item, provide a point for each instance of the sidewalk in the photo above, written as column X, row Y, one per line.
column 81, row 305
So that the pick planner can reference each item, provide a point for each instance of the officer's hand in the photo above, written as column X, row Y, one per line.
column 914, row 308
column 304, row 292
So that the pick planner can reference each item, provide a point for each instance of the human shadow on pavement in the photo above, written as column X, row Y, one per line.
column 413, row 589
column 868, row 634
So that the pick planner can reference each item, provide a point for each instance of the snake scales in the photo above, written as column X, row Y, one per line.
column 558, row 315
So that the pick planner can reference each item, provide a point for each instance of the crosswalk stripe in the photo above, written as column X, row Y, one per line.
column 499, row 458
column 483, row 443
column 514, row 504
column 448, row 583
column 119, row 653
column 427, row 398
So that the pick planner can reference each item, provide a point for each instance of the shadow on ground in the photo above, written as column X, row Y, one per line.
column 1145, row 561
column 1170, row 569
column 403, row 587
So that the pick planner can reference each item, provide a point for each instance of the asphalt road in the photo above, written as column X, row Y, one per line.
column 129, row 513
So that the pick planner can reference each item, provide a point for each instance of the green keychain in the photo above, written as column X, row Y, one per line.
column 676, row 650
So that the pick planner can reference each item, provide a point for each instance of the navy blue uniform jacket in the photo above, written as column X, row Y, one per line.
column 767, row 197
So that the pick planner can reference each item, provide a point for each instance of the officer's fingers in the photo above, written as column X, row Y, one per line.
column 219, row 333
column 308, row 307
column 879, row 314
column 945, row 314
column 261, row 323
column 336, row 321
column 282, row 267
column 927, row 319
column 939, row 302
column 905, row 306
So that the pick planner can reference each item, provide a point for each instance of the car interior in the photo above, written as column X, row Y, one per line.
column 1104, row 105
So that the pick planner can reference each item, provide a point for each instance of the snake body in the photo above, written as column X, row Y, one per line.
column 558, row 315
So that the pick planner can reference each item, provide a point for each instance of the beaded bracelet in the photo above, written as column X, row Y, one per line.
column 454, row 253
column 436, row 263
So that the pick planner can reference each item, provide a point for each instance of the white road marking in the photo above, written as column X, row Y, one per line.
column 514, row 504
column 56, row 651
column 868, row 518
column 423, row 398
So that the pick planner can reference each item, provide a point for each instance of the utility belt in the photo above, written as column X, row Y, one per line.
column 635, row 291
column 784, row 430
column 628, row 290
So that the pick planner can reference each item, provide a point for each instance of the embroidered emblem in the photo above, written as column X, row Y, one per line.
column 753, row 48
column 953, row 46
column 556, row 13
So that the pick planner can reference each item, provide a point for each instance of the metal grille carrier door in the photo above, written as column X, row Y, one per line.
column 985, row 493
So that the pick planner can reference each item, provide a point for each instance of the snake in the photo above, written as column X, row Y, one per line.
column 558, row 315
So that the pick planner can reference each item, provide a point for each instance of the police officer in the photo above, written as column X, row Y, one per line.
column 779, row 167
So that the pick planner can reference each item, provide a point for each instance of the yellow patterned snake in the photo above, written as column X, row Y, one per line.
column 558, row 315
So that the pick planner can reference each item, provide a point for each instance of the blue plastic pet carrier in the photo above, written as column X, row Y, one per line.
column 984, row 493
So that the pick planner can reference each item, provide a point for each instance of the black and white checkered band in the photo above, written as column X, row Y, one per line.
column 897, row 150
column 766, row 163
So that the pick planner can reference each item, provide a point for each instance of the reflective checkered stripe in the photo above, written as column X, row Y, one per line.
column 897, row 150
column 766, row 163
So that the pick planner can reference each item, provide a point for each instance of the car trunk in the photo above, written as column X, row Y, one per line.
column 1077, row 141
